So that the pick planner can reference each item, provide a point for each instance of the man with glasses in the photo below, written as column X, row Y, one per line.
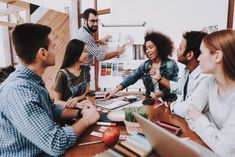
column 85, row 34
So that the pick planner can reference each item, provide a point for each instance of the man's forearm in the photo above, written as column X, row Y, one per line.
column 69, row 113
column 80, row 126
column 109, row 55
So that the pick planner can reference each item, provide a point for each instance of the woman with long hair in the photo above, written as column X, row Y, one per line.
column 216, row 96
column 72, row 81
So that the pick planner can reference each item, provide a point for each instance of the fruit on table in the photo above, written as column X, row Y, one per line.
column 111, row 136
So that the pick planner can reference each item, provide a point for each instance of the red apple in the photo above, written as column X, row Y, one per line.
column 111, row 136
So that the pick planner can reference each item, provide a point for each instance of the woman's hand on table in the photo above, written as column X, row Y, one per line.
column 71, row 103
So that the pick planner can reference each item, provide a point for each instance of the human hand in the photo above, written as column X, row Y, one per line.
column 71, row 103
column 104, row 40
column 193, row 113
column 90, row 113
column 155, row 73
column 107, row 95
column 82, row 103
column 156, row 95
column 120, row 50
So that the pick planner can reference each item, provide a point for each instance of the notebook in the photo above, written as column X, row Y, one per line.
column 111, row 104
column 166, row 144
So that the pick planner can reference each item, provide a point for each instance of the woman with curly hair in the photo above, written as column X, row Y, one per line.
column 158, row 48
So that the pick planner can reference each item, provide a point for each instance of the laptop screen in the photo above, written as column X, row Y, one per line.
column 166, row 144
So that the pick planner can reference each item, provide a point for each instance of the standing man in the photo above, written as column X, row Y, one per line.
column 187, row 54
column 27, row 114
column 85, row 34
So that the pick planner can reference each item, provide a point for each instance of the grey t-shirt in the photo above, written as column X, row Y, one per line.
column 61, row 83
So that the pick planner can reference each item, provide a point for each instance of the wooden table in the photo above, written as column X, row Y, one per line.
column 161, row 113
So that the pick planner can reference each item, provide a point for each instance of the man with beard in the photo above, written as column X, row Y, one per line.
column 85, row 34
column 187, row 54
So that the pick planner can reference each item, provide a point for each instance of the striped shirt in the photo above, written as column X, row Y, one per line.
column 93, row 49
column 27, row 118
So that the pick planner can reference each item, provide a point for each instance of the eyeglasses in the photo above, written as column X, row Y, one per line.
column 94, row 21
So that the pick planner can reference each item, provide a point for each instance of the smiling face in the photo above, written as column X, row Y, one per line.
column 151, row 50
column 92, row 23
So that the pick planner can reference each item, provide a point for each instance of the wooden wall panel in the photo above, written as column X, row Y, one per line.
column 59, row 23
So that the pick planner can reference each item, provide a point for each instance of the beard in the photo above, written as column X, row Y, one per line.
column 183, row 61
column 93, row 29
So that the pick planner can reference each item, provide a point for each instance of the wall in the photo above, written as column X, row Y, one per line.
column 171, row 16
column 5, row 53
column 168, row 16
column 58, row 5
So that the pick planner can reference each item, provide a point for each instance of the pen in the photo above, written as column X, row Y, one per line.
column 168, row 125
column 106, row 123
column 156, row 106
column 88, row 143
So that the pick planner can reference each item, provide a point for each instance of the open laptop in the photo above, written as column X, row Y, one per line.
column 166, row 144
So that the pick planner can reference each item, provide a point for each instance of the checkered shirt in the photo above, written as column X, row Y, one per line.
column 27, row 118
column 94, row 50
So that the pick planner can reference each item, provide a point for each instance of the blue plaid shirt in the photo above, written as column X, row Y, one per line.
column 27, row 118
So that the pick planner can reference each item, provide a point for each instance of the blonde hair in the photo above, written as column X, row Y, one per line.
column 224, row 41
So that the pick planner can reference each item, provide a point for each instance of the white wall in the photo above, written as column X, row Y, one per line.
column 172, row 17
column 58, row 5
column 5, row 54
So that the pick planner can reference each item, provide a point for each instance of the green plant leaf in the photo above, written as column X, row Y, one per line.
column 129, row 116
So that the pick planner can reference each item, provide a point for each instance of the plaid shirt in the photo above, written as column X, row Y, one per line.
column 86, row 36
column 27, row 115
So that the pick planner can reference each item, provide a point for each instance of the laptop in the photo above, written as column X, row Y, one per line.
column 166, row 144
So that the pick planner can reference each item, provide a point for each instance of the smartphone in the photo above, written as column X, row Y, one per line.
column 170, row 127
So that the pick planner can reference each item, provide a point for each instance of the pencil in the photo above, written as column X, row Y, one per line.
column 88, row 143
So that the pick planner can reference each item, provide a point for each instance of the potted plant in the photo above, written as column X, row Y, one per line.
column 132, row 126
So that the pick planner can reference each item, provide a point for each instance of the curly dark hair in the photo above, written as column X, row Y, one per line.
column 164, row 44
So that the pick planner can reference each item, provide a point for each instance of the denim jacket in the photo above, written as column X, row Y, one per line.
column 168, row 70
